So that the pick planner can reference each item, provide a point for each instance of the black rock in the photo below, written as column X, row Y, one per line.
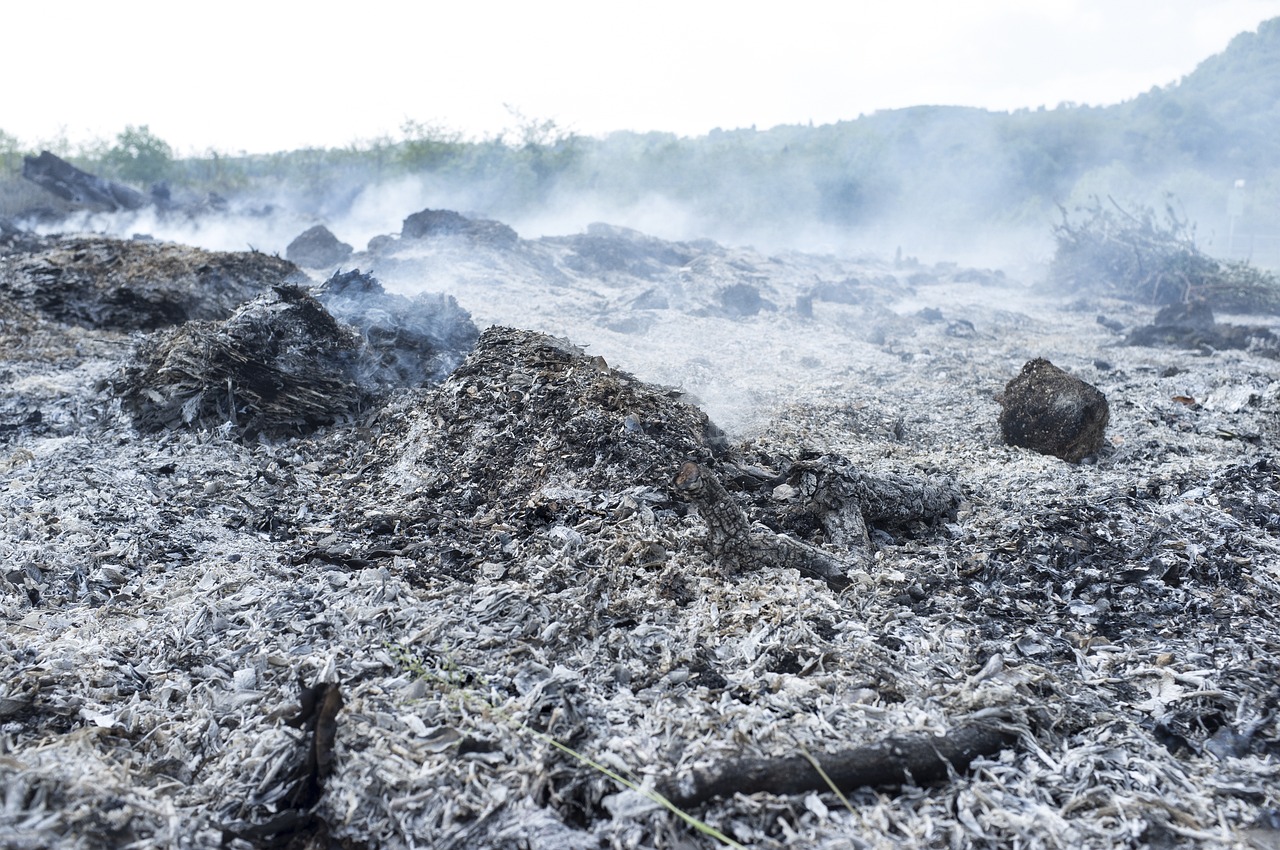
column 432, row 223
column 1053, row 413
column 317, row 248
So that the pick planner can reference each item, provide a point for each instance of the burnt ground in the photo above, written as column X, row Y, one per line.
column 500, row 562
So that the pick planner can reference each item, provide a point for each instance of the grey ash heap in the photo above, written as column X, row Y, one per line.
column 433, row 547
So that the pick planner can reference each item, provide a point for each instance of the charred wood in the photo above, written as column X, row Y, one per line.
column 71, row 184
column 738, row 546
column 893, row 762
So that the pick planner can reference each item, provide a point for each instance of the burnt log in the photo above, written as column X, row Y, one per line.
column 63, row 179
column 893, row 762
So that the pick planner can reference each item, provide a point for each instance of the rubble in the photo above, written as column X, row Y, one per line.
column 100, row 282
column 317, row 248
column 1046, row 410
column 279, row 362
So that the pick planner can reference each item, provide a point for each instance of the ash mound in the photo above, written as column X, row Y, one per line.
column 100, row 282
column 288, row 360
column 528, row 420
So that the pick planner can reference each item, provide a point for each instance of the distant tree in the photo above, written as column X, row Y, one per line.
column 139, row 156
column 10, row 153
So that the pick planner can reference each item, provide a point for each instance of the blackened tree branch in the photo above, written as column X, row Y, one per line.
column 895, row 761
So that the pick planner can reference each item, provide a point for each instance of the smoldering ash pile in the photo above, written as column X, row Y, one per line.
column 466, row 540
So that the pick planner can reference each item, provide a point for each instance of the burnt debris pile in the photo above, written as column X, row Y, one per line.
column 281, row 361
column 288, row 360
column 531, row 426
column 114, row 284
column 1141, row 256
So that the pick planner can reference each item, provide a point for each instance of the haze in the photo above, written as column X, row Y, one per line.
column 259, row 77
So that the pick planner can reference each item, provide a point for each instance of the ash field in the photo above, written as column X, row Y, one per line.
column 502, row 542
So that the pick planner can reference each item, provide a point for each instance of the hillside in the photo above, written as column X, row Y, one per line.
column 928, row 179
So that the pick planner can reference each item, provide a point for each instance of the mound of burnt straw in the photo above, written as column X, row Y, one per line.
column 289, row 361
column 280, row 361
column 527, row 416
column 115, row 284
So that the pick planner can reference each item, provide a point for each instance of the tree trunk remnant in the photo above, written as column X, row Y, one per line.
column 70, row 183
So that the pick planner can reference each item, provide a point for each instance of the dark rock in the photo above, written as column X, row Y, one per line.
column 1051, row 412
column 317, row 248
column 407, row 342
column 433, row 223
column 606, row 248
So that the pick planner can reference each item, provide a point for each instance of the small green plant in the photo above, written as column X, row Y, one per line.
column 453, row 681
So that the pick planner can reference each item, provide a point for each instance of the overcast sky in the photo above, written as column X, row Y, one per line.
column 264, row 76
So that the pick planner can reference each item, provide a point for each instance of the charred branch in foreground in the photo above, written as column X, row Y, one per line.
column 294, row 792
column 735, row 544
column 895, row 761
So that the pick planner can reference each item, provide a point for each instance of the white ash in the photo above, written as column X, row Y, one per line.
column 162, row 595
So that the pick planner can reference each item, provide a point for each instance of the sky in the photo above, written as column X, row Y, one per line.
column 264, row 76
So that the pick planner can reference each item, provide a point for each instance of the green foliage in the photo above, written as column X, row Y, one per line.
column 138, row 156
column 427, row 147
column 11, row 154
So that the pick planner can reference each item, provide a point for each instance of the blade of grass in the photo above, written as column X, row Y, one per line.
column 827, row 779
